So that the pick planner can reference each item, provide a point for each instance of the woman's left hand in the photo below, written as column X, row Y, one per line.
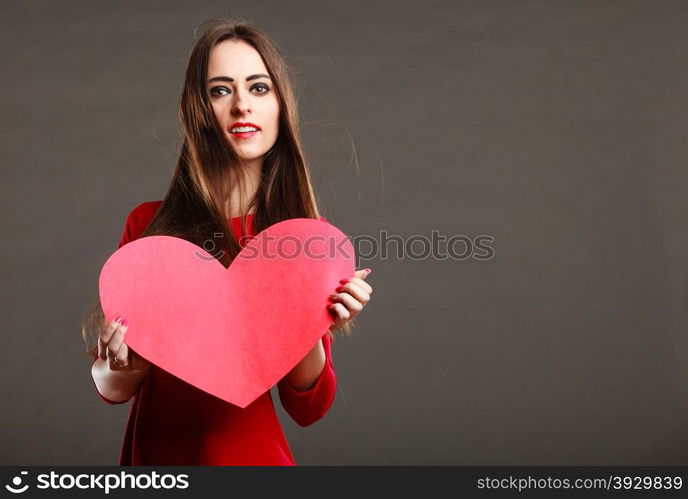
column 352, row 296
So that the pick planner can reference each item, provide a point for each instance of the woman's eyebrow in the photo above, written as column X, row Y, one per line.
column 248, row 78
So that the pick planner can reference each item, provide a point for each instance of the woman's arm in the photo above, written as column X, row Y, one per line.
column 304, row 375
column 308, row 405
column 115, row 386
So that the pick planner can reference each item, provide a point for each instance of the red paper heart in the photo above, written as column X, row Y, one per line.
column 233, row 332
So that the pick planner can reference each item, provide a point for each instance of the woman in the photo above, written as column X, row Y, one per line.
column 241, row 166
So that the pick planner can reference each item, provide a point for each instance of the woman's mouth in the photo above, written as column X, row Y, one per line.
column 244, row 132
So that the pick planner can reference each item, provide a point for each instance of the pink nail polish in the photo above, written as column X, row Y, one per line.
column 368, row 270
column 125, row 322
column 118, row 319
column 344, row 281
column 339, row 288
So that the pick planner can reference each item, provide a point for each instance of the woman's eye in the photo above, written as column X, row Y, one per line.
column 215, row 90
column 262, row 87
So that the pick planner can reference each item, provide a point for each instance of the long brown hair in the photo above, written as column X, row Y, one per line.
column 209, row 172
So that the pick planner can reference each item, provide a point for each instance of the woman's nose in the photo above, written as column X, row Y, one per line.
column 240, row 105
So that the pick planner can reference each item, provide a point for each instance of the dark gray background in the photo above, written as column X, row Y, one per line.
column 557, row 127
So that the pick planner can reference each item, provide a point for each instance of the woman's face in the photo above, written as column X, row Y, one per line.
column 243, row 95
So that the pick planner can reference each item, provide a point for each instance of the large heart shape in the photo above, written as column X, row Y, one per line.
column 232, row 332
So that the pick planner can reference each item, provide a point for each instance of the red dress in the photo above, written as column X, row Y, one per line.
column 173, row 423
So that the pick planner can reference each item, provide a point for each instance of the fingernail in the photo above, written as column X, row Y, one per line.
column 125, row 322
column 339, row 288
column 344, row 281
column 368, row 270
column 118, row 319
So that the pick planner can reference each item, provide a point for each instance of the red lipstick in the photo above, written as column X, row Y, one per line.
column 244, row 134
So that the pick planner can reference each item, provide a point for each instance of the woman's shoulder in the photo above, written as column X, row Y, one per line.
column 138, row 220
column 143, row 213
column 147, row 208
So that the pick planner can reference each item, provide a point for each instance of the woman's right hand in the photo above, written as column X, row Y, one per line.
column 119, row 356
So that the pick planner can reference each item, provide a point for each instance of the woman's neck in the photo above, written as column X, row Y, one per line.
column 252, row 177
